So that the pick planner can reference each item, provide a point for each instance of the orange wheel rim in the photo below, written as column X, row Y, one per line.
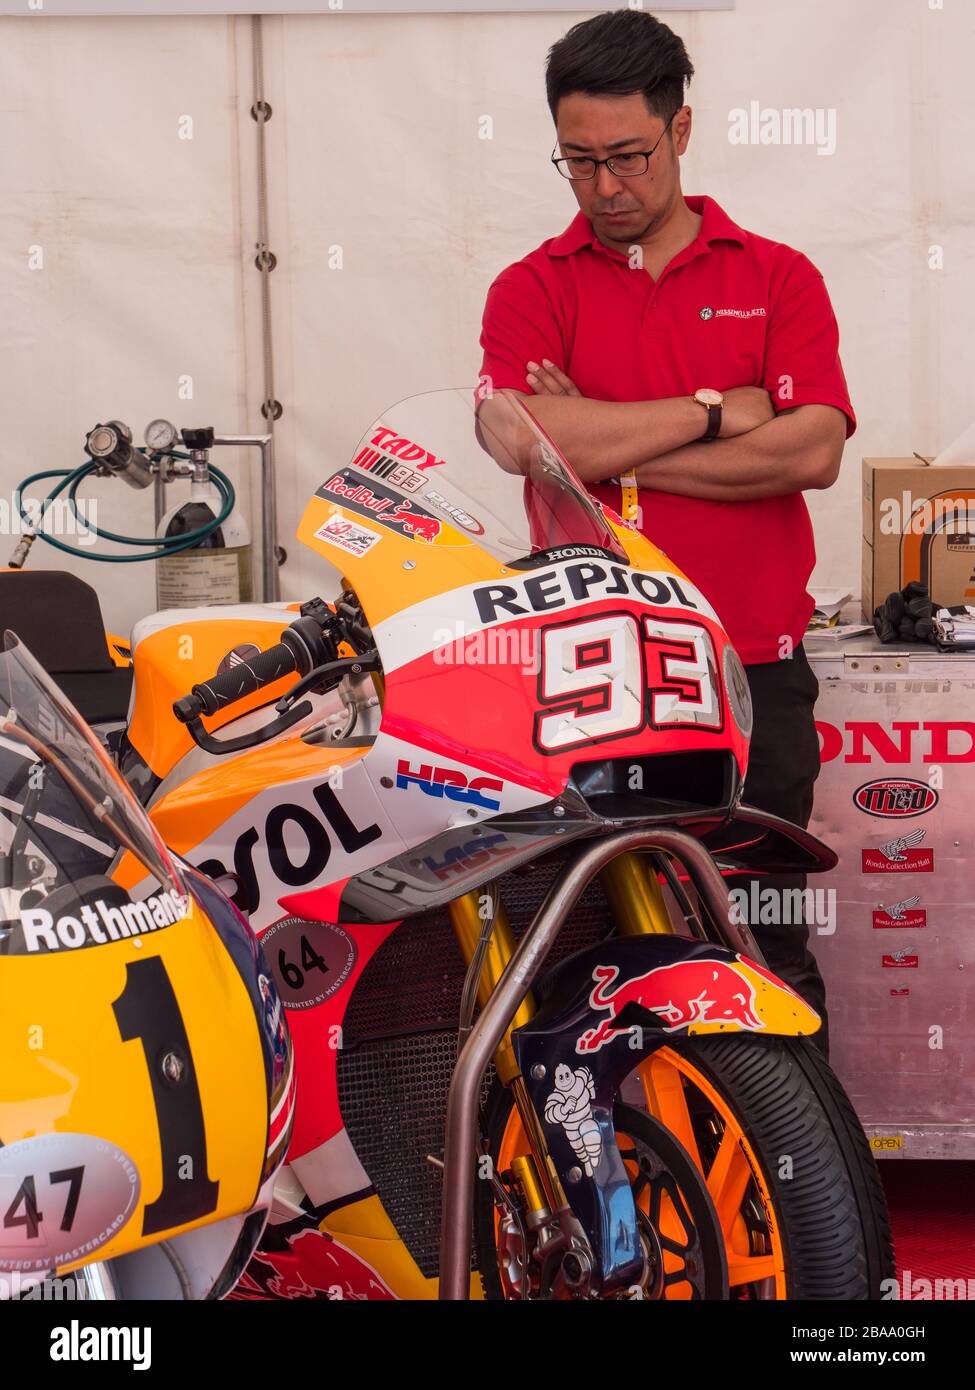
column 731, row 1173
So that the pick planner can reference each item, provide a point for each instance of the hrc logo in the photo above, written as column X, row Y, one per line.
column 448, row 782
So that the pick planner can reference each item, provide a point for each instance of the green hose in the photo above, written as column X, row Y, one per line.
column 72, row 478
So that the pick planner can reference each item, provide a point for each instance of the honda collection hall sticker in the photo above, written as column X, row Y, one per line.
column 902, row 855
column 905, row 913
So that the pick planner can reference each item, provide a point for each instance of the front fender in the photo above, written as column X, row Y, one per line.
column 602, row 1011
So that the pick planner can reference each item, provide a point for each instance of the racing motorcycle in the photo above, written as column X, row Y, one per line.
column 479, row 807
column 146, row 1070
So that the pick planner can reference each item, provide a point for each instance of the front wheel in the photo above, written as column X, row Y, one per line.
column 781, row 1151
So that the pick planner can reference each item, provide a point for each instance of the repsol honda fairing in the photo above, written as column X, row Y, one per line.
column 477, row 807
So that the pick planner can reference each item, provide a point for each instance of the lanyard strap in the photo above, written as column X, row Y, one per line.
column 630, row 506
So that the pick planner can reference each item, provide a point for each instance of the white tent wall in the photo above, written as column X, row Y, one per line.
column 121, row 251
column 390, row 213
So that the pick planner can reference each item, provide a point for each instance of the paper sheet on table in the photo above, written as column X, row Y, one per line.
column 829, row 602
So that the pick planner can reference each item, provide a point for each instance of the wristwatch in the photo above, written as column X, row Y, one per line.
column 712, row 402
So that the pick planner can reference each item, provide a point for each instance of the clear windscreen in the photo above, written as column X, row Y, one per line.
column 448, row 468
column 66, row 817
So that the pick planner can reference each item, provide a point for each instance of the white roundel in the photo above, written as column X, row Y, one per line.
column 62, row 1196
column 739, row 695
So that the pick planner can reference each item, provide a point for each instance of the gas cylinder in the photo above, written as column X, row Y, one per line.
column 218, row 569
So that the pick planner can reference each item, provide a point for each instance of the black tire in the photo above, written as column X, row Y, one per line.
column 831, row 1213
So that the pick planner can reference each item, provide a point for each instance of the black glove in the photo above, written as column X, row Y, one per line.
column 905, row 616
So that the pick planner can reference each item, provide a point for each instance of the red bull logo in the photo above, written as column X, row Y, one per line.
column 358, row 493
column 690, row 991
column 420, row 527
column 315, row 1266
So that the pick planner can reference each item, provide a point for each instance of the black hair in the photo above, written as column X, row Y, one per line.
column 618, row 53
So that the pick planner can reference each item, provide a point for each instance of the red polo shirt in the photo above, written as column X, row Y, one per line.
column 731, row 309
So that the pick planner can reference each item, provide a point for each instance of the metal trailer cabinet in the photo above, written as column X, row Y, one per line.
column 896, row 946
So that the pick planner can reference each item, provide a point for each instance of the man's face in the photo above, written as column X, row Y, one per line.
column 622, row 209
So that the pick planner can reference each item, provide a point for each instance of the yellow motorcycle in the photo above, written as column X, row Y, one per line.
column 146, row 1072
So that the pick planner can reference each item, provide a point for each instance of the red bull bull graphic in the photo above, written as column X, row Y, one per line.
column 356, row 492
column 683, row 994
column 313, row 1265
column 412, row 522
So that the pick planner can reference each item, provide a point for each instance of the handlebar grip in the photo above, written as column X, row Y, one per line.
column 210, row 696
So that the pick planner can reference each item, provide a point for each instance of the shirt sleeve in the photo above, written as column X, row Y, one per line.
column 519, row 325
column 802, row 346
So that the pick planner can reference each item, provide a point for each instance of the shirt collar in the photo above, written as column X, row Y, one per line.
column 716, row 225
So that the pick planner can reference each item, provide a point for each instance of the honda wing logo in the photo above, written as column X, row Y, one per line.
column 893, row 850
column 899, row 910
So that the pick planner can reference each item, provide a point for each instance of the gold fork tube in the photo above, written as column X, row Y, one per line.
column 635, row 896
column 467, row 922
column 544, row 1167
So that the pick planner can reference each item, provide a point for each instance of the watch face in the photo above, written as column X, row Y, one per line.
column 709, row 397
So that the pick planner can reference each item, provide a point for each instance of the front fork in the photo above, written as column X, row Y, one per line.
column 636, row 899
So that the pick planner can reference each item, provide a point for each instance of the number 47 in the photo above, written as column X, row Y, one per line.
column 26, row 1196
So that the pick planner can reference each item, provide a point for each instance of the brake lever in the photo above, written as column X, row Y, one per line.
column 320, row 680
column 236, row 745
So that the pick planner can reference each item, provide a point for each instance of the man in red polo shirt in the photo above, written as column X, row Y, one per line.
column 689, row 370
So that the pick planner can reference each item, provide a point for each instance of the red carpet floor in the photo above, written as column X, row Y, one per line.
column 932, row 1216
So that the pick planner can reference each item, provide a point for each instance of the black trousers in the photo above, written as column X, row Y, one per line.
column 783, row 765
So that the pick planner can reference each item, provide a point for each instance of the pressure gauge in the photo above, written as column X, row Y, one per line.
column 160, row 436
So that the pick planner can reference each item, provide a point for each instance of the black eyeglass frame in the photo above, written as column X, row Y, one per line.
column 584, row 178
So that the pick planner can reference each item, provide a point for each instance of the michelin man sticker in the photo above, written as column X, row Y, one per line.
column 570, row 1105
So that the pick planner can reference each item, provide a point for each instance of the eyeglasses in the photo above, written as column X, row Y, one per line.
column 625, row 166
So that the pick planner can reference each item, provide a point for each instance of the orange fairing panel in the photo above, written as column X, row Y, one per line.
column 190, row 814
column 388, row 579
column 118, row 649
column 170, row 660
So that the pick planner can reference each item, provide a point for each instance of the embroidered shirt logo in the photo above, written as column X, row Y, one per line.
column 708, row 313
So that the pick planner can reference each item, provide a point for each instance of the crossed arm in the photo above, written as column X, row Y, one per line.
column 758, row 453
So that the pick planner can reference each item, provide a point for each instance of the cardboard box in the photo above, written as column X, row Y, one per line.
column 918, row 523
